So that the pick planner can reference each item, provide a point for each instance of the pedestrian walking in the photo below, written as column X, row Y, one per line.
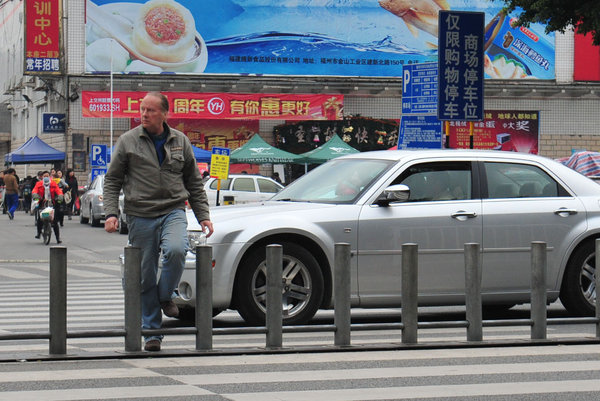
column 62, row 184
column 11, row 196
column 155, row 166
column 73, row 192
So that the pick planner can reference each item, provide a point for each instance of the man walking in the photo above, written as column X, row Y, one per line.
column 154, row 164
column 11, row 197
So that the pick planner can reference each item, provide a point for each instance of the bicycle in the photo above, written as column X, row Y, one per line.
column 46, row 214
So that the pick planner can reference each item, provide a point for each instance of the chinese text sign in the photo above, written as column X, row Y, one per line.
column 42, row 37
column 460, row 62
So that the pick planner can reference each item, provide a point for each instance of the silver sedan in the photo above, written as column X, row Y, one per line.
column 92, row 203
column 377, row 201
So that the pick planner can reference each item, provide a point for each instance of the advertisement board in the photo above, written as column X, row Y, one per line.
column 207, row 134
column 218, row 105
column 514, row 131
column 297, row 37
column 42, row 37
column 361, row 133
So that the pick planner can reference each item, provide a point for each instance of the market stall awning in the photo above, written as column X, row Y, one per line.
column 335, row 147
column 257, row 151
column 33, row 151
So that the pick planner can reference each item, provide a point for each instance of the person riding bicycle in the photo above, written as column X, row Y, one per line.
column 47, row 193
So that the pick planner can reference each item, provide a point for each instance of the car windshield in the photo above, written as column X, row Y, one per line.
column 337, row 181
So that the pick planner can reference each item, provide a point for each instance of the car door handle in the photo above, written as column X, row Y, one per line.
column 564, row 212
column 462, row 215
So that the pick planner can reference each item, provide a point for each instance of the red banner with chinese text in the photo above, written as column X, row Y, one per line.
column 42, row 37
column 208, row 133
column 516, row 131
column 220, row 105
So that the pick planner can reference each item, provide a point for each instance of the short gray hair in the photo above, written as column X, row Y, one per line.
column 164, row 102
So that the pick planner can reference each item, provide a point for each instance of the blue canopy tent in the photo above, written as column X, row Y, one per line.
column 202, row 156
column 34, row 151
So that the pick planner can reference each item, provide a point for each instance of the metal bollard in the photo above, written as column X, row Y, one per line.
column 473, row 292
column 597, row 280
column 410, row 293
column 538, row 290
column 341, row 294
column 204, row 287
column 274, row 318
column 58, row 300
column 133, row 299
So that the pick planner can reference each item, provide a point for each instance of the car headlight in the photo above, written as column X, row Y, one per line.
column 196, row 238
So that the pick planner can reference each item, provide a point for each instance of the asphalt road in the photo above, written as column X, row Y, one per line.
column 84, row 243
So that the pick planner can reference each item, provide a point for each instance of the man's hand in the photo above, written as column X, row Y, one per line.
column 207, row 224
column 111, row 224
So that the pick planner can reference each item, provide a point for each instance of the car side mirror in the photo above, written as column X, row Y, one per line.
column 393, row 193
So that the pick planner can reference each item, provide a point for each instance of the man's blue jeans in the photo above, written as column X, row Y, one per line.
column 12, row 202
column 168, row 234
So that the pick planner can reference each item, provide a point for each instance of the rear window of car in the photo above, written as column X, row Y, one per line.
column 267, row 186
column 512, row 180
column 244, row 184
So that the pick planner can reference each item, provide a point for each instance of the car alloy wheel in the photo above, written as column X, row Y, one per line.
column 302, row 291
column 578, row 290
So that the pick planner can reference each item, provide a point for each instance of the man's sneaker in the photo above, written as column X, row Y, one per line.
column 11, row 216
column 152, row 345
column 169, row 308
column 37, row 236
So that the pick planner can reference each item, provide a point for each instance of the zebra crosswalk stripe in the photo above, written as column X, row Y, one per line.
column 512, row 373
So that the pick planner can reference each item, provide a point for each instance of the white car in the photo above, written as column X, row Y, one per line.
column 241, row 188
column 377, row 201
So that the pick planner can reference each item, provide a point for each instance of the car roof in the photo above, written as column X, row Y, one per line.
column 407, row 154
column 246, row 175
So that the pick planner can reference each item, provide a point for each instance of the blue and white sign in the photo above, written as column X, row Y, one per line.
column 220, row 151
column 419, row 88
column 420, row 132
column 96, row 172
column 460, row 62
column 98, row 155
column 53, row 123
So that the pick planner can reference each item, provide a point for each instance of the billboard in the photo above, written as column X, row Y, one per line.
column 297, row 37
column 43, row 37
column 513, row 131
column 218, row 105
column 206, row 134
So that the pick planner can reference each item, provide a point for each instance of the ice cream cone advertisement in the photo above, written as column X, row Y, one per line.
column 513, row 52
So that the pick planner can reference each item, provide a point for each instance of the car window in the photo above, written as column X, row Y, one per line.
column 339, row 181
column 513, row 180
column 224, row 184
column 244, row 184
column 97, row 182
column 267, row 186
column 437, row 181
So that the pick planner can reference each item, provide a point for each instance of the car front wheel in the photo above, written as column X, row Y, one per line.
column 578, row 290
column 95, row 221
column 82, row 219
column 302, row 286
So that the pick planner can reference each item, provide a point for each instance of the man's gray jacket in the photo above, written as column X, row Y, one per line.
column 150, row 189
